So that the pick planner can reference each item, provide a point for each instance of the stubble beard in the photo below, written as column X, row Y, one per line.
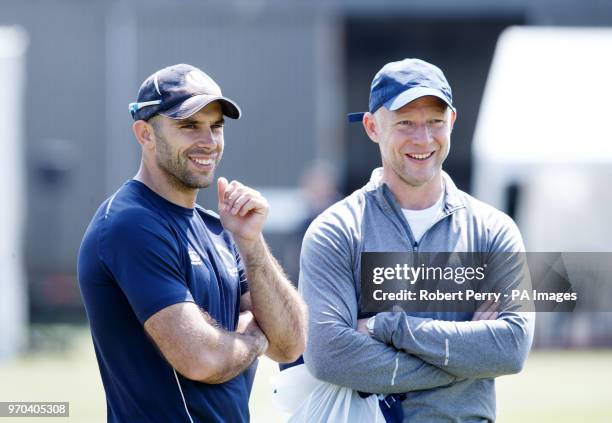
column 414, row 181
column 175, row 167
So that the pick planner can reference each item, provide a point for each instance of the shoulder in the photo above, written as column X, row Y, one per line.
column 342, row 217
column 485, row 212
column 338, row 227
column 136, row 224
column 501, row 230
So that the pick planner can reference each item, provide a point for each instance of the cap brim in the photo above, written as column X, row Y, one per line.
column 407, row 96
column 355, row 117
column 196, row 103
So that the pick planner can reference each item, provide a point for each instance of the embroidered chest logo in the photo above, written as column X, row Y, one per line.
column 194, row 257
column 229, row 261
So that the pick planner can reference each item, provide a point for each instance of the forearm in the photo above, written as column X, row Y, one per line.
column 364, row 364
column 235, row 352
column 279, row 310
column 479, row 349
column 194, row 345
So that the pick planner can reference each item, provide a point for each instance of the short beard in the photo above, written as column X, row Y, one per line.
column 175, row 167
column 412, row 182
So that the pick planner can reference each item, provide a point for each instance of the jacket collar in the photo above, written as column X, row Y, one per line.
column 452, row 195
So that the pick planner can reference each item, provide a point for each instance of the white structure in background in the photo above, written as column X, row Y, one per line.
column 544, row 124
column 13, row 289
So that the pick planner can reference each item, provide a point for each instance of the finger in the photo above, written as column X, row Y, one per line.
column 234, row 190
column 493, row 307
column 239, row 202
column 489, row 315
column 251, row 205
column 484, row 306
column 221, row 187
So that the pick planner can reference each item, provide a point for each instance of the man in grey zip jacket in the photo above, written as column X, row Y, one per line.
column 445, row 362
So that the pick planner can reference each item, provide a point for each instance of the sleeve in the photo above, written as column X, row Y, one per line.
column 336, row 352
column 142, row 254
column 480, row 349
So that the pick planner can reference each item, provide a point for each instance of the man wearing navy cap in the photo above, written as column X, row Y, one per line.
column 440, row 365
column 181, row 301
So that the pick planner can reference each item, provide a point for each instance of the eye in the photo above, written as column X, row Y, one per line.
column 406, row 123
column 217, row 126
column 189, row 126
column 437, row 123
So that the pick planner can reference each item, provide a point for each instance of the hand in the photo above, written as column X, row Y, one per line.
column 247, row 325
column 243, row 210
column 361, row 326
column 486, row 311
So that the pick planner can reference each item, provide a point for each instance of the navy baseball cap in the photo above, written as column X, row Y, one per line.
column 178, row 92
column 399, row 83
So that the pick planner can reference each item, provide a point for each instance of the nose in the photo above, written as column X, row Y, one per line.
column 206, row 138
column 421, row 134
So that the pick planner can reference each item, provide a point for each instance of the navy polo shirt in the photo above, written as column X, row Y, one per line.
column 140, row 254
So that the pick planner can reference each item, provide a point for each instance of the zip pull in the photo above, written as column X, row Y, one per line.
column 415, row 247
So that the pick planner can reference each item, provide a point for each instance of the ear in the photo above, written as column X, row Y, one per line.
column 452, row 119
column 144, row 134
column 371, row 126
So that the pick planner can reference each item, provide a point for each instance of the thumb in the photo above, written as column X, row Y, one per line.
column 221, row 186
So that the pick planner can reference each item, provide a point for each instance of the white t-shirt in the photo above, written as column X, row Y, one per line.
column 421, row 220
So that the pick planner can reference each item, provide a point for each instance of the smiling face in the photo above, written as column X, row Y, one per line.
column 414, row 141
column 187, row 151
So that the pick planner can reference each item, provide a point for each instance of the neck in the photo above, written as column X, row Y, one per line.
column 414, row 197
column 167, row 186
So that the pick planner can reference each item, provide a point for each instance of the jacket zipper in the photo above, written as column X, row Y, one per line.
column 406, row 226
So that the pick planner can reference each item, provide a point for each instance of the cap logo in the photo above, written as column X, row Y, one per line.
column 199, row 80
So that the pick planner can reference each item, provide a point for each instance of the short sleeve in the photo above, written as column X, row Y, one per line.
column 142, row 253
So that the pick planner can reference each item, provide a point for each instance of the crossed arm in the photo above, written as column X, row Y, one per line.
column 198, row 349
column 489, row 346
column 472, row 349
column 273, row 318
column 336, row 351
column 407, row 353
column 272, row 322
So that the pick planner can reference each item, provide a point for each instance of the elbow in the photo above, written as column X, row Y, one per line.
column 320, row 367
column 291, row 355
column 515, row 364
column 292, row 347
column 288, row 353
column 204, row 370
column 516, row 357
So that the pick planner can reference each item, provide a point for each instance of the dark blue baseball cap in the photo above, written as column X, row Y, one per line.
column 399, row 83
column 178, row 92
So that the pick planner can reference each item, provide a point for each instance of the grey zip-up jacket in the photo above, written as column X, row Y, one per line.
column 443, row 361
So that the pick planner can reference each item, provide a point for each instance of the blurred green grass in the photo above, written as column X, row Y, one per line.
column 555, row 386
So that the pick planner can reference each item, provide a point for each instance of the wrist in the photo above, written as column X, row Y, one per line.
column 261, row 344
column 247, row 247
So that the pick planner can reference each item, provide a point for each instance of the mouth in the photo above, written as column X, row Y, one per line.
column 422, row 157
column 203, row 163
